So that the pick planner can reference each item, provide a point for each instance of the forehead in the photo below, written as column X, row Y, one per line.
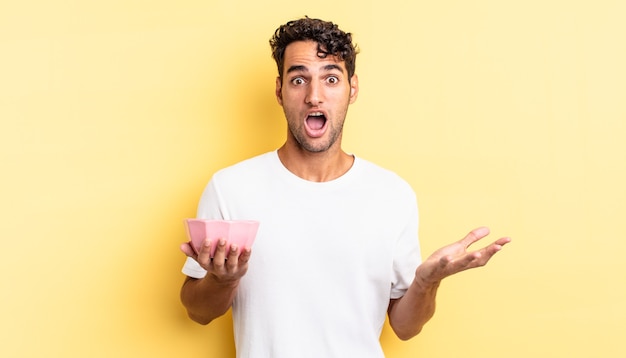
column 304, row 54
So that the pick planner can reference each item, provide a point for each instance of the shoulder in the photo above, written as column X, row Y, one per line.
column 379, row 175
column 383, row 185
column 251, row 167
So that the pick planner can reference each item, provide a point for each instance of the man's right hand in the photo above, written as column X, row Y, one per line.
column 210, row 297
column 226, row 267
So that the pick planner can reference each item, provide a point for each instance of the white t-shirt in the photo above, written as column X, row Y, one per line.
column 327, row 258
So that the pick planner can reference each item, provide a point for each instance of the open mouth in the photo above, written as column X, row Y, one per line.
column 316, row 121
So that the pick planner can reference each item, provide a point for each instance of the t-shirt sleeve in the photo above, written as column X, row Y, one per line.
column 209, row 206
column 407, row 255
column 193, row 269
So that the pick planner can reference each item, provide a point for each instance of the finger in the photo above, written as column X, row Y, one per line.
column 219, row 257
column 204, row 256
column 231, row 263
column 188, row 250
column 486, row 253
column 496, row 246
column 475, row 235
column 503, row 241
column 470, row 260
column 444, row 261
column 245, row 255
column 449, row 266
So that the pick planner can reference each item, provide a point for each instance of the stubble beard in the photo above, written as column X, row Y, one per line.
column 315, row 145
column 305, row 143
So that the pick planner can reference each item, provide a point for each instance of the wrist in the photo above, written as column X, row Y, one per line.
column 223, row 284
column 424, row 283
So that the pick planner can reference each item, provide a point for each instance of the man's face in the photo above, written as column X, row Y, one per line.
column 314, row 93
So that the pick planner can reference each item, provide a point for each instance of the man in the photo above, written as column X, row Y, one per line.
column 337, row 248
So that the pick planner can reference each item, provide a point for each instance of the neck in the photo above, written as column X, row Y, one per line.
column 316, row 167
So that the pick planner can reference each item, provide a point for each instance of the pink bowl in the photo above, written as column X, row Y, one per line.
column 240, row 232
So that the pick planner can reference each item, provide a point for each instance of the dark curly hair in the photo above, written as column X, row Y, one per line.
column 330, row 41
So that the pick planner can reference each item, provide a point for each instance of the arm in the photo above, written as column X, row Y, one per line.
column 408, row 314
column 210, row 297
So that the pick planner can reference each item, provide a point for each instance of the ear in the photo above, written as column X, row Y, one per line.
column 279, row 90
column 354, row 88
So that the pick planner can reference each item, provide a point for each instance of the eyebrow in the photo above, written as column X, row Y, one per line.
column 301, row 68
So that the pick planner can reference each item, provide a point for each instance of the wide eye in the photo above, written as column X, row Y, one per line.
column 297, row 81
column 332, row 80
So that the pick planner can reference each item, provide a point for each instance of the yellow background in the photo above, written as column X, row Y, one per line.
column 114, row 114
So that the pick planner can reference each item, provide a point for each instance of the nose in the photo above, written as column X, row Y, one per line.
column 314, row 93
